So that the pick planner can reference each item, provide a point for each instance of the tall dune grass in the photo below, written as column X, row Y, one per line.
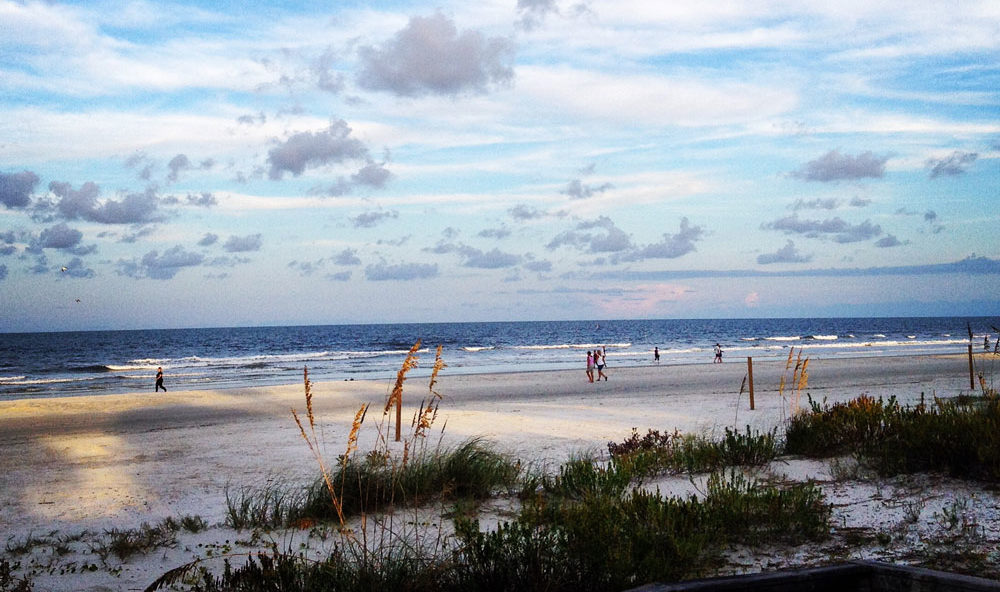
column 960, row 437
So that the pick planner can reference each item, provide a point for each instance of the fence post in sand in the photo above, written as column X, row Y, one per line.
column 972, row 380
column 750, row 378
column 399, row 414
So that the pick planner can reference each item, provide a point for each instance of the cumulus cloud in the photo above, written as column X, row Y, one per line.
column 204, row 200
column 671, row 247
column 538, row 265
column 327, row 78
column 430, row 56
column 76, row 269
column 208, row 240
column 786, row 254
column 373, row 174
column 524, row 212
column 59, row 236
column 371, row 219
column 160, row 267
column 307, row 268
column 75, row 203
column 243, row 244
column 347, row 257
column 834, row 166
column 858, row 232
column 577, row 189
column 596, row 236
column 16, row 188
column 133, row 208
column 176, row 165
column 888, row 241
column 836, row 228
column 473, row 257
column 308, row 149
column 140, row 161
column 531, row 13
column 951, row 165
column 816, row 204
column 250, row 119
column 497, row 233
column 493, row 259
column 181, row 163
column 402, row 271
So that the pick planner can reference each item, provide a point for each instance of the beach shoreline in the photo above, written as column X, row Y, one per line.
column 93, row 463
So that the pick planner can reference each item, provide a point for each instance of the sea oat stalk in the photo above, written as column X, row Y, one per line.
column 396, row 397
column 313, row 442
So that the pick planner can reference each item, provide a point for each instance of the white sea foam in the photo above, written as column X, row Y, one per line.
column 23, row 381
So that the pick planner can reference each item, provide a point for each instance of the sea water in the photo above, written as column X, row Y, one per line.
column 104, row 362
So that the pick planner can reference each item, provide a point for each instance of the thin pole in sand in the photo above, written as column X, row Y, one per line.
column 399, row 415
column 972, row 381
column 750, row 377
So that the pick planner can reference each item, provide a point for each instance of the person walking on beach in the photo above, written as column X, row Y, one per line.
column 600, row 359
column 590, row 366
column 159, row 380
column 656, row 355
column 718, row 354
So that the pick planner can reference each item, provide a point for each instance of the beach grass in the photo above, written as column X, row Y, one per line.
column 659, row 452
column 960, row 437
column 9, row 582
column 472, row 470
column 124, row 543
column 585, row 527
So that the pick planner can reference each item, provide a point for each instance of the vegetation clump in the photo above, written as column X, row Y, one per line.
column 587, row 527
column 659, row 453
column 960, row 437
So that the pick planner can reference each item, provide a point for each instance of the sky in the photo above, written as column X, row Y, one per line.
column 203, row 164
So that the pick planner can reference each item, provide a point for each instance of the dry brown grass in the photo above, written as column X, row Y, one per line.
column 313, row 441
column 799, row 381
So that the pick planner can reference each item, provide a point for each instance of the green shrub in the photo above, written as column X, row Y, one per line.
column 960, row 437
column 657, row 453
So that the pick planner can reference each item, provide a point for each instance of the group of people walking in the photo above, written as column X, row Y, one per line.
column 596, row 359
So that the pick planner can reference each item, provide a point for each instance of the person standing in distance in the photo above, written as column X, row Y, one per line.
column 159, row 380
column 600, row 359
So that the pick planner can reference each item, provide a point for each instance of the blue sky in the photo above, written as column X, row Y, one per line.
column 182, row 164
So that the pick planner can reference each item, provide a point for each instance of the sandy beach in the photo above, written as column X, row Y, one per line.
column 89, row 464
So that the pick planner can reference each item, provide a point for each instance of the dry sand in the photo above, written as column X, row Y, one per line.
column 73, row 468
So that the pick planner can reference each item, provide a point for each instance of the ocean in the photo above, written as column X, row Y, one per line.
column 35, row 365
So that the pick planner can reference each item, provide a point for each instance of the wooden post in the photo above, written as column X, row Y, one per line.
column 972, row 380
column 750, row 377
column 399, row 415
